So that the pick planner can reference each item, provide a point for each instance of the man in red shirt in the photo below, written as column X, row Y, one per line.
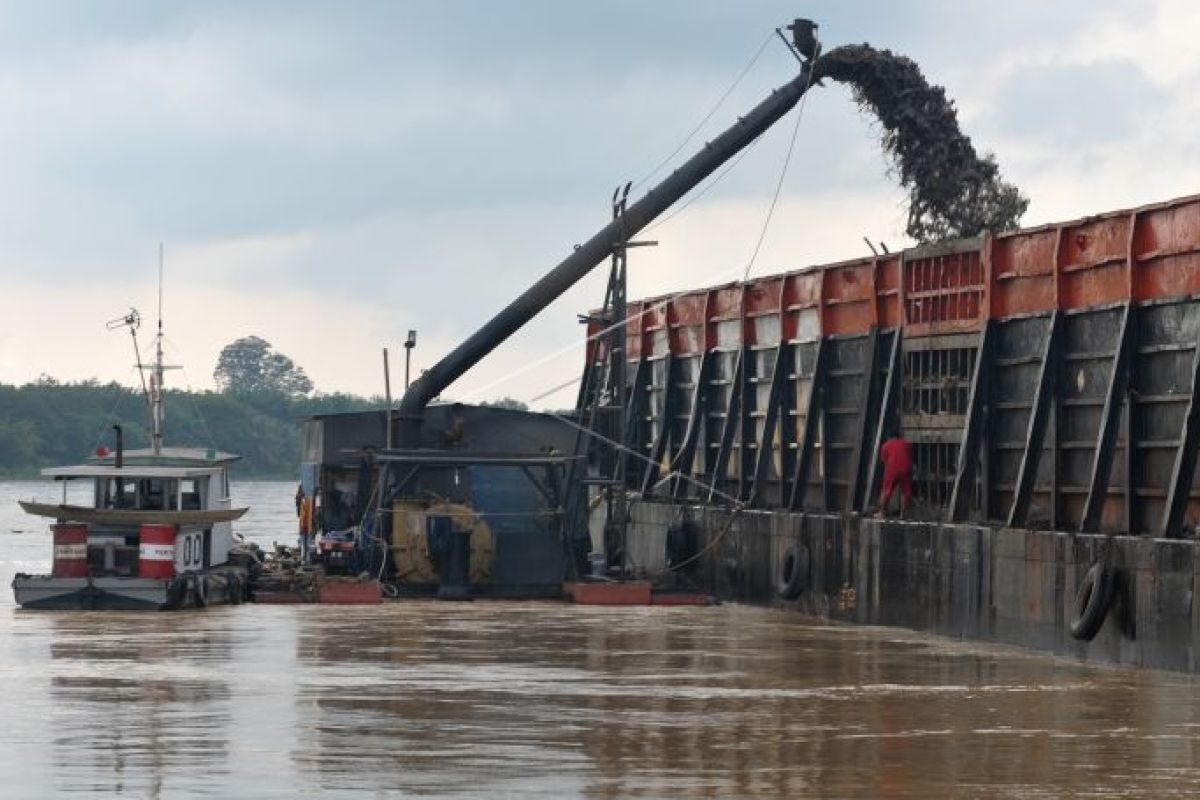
column 896, row 455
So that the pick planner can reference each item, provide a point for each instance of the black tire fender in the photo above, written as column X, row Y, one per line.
column 233, row 589
column 682, row 547
column 1092, row 601
column 200, row 589
column 794, row 571
column 176, row 592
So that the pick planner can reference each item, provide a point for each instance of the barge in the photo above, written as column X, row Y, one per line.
column 1048, row 381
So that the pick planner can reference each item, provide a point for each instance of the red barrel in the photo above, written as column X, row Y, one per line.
column 156, row 551
column 70, row 550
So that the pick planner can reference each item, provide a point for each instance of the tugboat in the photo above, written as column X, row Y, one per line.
column 158, row 535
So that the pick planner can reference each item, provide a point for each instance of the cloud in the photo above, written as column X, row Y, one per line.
column 329, row 177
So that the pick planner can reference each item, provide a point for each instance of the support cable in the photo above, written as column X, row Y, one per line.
column 720, row 101
column 212, row 441
column 715, row 277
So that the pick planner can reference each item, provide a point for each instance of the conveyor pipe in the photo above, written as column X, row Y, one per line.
column 595, row 251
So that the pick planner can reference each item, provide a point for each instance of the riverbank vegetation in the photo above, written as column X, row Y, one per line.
column 48, row 423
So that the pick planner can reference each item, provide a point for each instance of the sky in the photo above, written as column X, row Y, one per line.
column 330, row 175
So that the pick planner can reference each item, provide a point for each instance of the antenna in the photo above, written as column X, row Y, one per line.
column 133, row 321
column 156, row 378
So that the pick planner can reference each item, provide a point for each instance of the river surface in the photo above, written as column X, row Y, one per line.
column 485, row 700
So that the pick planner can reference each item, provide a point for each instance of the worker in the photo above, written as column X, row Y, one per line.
column 896, row 455
column 304, row 514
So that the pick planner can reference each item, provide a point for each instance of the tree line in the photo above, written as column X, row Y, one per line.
column 262, row 392
column 47, row 423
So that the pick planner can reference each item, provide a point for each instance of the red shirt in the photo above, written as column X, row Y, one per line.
column 896, row 455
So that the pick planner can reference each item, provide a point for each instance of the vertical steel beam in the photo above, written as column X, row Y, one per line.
column 745, row 424
column 1130, row 433
column 826, row 486
column 887, row 413
column 1185, row 458
column 1035, row 431
column 732, row 414
column 866, row 407
column 633, row 416
column 686, row 456
column 1110, row 421
column 766, row 447
column 804, row 451
column 964, row 482
column 662, row 427
column 1052, row 434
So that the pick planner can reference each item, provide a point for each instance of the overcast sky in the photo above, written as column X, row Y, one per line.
column 329, row 175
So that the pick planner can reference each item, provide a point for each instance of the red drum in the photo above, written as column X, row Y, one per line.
column 70, row 550
column 156, row 551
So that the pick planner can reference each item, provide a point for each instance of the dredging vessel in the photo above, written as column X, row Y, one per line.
column 727, row 438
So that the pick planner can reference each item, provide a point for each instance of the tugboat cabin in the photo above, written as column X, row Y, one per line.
column 179, row 486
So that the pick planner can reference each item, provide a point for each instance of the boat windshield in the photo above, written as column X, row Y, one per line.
column 151, row 494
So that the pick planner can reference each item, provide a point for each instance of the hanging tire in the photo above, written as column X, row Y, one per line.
column 1092, row 601
column 233, row 589
column 683, row 544
column 199, row 590
column 176, row 592
column 793, row 571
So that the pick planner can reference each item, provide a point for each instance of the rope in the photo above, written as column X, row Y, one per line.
column 715, row 277
column 712, row 279
column 762, row 235
column 705, row 189
column 720, row 100
column 787, row 161
column 641, row 456
column 212, row 440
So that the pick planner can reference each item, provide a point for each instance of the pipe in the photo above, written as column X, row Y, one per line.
column 594, row 251
column 119, row 459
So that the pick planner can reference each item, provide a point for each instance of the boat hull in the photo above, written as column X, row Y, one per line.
column 1010, row 586
column 198, row 590
column 123, row 516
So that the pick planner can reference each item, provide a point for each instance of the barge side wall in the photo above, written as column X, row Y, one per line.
column 1046, row 378
column 1008, row 586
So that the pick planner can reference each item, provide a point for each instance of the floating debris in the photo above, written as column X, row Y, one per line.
column 953, row 192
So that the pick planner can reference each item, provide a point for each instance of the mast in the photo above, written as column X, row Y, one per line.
column 156, row 377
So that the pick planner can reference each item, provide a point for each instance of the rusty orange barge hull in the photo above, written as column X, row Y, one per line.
column 1048, row 378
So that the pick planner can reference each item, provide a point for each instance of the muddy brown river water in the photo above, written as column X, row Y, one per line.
column 491, row 700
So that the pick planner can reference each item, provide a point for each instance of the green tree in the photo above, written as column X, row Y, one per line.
column 509, row 403
column 251, row 365
column 49, row 423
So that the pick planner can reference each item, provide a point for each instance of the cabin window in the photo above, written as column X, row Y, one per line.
column 118, row 493
column 157, row 494
column 189, row 493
